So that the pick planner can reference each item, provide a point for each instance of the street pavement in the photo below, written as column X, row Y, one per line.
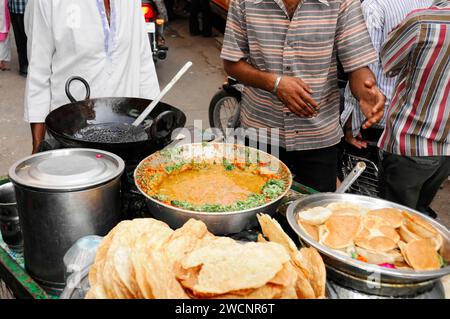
column 191, row 94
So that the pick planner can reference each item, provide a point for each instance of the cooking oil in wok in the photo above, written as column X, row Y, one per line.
column 112, row 133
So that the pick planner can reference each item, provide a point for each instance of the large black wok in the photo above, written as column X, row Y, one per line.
column 68, row 119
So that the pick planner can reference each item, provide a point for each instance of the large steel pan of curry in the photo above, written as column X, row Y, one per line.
column 64, row 123
column 362, row 276
column 219, row 223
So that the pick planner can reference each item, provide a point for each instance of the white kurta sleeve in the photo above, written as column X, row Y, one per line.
column 38, row 26
column 149, row 86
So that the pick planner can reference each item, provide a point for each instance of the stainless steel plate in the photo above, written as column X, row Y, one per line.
column 358, row 268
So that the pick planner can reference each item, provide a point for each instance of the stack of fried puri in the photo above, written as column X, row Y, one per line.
column 144, row 258
column 381, row 236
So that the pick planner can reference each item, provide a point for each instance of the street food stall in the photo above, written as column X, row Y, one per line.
column 108, row 210
column 379, row 260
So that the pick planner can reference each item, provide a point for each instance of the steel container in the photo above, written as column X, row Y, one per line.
column 9, row 218
column 369, row 278
column 220, row 223
column 62, row 196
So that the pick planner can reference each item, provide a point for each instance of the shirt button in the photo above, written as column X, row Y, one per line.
column 288, row 68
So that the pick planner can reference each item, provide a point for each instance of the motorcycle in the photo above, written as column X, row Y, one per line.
column 224, row 108
column 155, row 17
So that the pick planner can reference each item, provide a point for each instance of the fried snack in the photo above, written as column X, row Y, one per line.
column 268, row 291
column 286, row 277
column 273, row 231
column 347, row 208
column 315, row 216
column 341, row 230
column 388, row 216
column 309, row 264
column 145, row 244
column 381, row 231
column 144, row 258
column 378, row 236
column 377, row 257
column 118, row 270
column 157, row 281
column 95, row 274
column 109, row 277
column 234, row 267
column 420, row 254
column 312, row 231
column 186, row 239
column 379, row 243
column 407, row 235
column 303, row 286
column 316, row 270
column 261, row 239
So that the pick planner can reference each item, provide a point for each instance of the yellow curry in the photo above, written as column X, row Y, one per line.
column 211, row 187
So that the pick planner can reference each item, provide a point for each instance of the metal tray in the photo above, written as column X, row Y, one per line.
column 357, row 268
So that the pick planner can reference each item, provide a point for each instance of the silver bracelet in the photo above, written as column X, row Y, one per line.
column 277, row 83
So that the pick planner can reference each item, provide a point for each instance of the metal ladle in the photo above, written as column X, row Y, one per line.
column 155, row 102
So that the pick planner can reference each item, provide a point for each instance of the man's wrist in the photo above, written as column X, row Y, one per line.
column 276, row 84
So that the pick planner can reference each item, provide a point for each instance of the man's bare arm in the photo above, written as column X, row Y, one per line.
column 292, row 91
column 38, row 134
column 364, row 88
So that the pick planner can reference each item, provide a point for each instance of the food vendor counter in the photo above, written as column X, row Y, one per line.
column 15, row 282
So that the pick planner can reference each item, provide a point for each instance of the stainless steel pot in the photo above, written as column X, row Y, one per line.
column 217, row 223
column 62, row 196
column 9, row 218
column 358, row 275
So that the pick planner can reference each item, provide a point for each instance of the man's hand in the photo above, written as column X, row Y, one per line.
column 357, row 141
column 38, row 134
column 372, row 103
column 296, row 95
column 293, row 92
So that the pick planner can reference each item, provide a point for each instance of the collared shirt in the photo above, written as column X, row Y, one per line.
column 73, row 37
column 261, row 32
column 381, row 16
column 418, row 120
column 17, row 6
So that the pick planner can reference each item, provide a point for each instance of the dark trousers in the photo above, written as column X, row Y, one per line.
column 21, row 40
column 313, row 168
column 202, row 6
column 412, row 181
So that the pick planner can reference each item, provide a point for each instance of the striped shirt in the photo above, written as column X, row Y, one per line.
column 17, row 6
column 418, row 119
column 381, row 16
column 261, row 32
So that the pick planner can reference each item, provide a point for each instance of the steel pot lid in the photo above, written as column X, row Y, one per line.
column 67, row 169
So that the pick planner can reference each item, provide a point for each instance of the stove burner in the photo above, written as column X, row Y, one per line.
column 336, row 291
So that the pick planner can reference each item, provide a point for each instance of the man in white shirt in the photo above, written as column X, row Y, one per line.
column 103, row 41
